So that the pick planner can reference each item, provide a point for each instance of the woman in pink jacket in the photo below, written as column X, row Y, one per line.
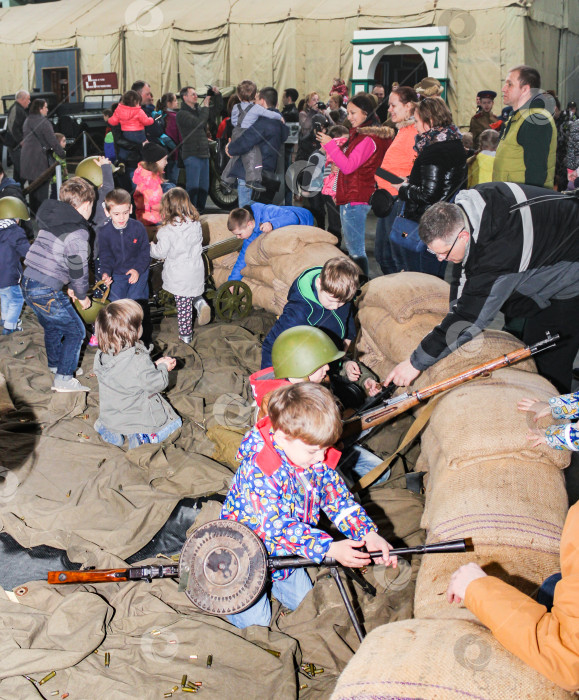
column 150, row 184
column 398, row 161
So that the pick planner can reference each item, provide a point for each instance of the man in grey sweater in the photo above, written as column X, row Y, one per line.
column 59, row 257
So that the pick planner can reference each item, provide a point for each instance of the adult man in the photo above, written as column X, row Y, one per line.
column 528, row 145
column 518, row 256
column 484, row 118
column 155, row 130
column 15, row 121
column 269, row 135
column 192, row 123
column 290, row 115
column 379, row 92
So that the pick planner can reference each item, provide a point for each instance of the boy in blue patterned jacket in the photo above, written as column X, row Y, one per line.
column 559, row 437
column 287, row 475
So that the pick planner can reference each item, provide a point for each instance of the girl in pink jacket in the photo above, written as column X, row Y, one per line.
column 150, row 184
column 131, row 117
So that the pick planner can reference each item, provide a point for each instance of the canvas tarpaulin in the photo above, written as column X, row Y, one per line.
column 299, row 44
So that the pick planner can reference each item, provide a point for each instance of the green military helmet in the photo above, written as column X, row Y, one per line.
column 90, row 170
column 299, row 351
column 13, row 208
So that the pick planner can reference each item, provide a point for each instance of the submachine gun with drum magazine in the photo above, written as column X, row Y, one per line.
column 224, row 569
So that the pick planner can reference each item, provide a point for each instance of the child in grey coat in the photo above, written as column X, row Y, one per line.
column 129, row 381
column 180, row 245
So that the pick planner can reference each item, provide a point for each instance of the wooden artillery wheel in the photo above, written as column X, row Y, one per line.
column 224, row 564
column 233, row 304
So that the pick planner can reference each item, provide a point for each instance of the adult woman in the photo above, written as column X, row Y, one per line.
column 357, row 161
column 306, row 140
column 398, row 160
column 438, row 173
column 169, row 104
column 38, row 140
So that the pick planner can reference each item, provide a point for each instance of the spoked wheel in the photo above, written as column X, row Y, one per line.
column 233, row 300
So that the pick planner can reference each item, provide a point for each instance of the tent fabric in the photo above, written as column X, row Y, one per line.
column 299, row 44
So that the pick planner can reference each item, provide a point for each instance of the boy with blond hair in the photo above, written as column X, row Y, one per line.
column 243, row 117
column 320, row 297
column 58, row 258
column 286, row 476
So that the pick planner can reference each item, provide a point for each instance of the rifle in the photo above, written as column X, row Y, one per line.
column 393, row 407
column 148, row 573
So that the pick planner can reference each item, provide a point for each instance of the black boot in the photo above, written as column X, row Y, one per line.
column 362, row 262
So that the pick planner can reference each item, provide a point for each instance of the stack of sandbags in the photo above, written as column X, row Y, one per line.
column 439, row 660
column 273, row 260
column 395, row 312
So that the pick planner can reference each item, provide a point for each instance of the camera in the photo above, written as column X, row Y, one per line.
column 210, row 91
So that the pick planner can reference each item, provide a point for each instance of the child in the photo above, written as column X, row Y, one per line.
column 559, row 437
column 129, row 382
column 124, row 250
column 251, row 221
column 480, row 168
column 286, row 476
column 339, row 134
column 61, row 138
column 243, row 116
column 168, row 106
column 13, row 246
column 179, row 243
column 109, row 142
column 59, row 257
column 131, row 118
column 321, row 297
column 150, row 184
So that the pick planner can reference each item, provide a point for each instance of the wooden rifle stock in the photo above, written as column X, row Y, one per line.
column 135, row 573
column 400, row 404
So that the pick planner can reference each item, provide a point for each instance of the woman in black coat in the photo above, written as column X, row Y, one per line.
column 38, row 141
column 438, row 173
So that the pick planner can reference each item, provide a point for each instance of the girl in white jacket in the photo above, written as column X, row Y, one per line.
column 179, row 244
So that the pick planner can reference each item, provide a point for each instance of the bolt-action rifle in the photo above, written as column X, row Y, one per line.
column 383, row 408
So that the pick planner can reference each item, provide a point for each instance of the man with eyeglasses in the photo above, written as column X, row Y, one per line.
column 518, row 247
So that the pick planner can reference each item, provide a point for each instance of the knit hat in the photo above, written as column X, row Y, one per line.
column 152, row 152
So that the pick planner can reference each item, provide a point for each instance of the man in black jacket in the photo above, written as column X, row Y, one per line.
column 269, row 135
column 519, row 250
column 15, row 121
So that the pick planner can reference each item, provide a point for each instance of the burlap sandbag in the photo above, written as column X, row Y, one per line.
column 501, row 502
column 261, row 273
column 262, row 296
column 480, row 420
column 288, row 267
column 214, row 227
column 439, row 660
column 6, row 404
column 284, row 241
column 406, row 294
column 280, row 292
column 524, row 568
column 395, row 341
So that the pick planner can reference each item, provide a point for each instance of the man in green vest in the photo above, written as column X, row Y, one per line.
column 526, row 152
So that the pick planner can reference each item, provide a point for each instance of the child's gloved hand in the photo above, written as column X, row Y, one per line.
column 533, row 405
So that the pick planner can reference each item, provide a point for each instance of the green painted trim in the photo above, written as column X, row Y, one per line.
column 402, row 40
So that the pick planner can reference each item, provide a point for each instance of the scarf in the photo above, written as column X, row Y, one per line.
column 438, row 133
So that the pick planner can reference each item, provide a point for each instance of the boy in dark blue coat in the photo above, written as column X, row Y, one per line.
column 320, row 297
column 13, row 247
column 252, row 220
column 124, row 250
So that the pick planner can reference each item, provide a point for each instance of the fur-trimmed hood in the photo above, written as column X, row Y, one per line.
column 382, row 132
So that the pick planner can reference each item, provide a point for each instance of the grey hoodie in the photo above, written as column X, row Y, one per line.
column 129, row 386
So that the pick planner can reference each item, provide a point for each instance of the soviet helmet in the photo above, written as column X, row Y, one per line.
column 301, row 350
column 90, row 170
column 13, row 208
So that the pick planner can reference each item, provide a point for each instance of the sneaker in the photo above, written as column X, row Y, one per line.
column 93, row 342
column 186, row 338
column 67, row 385
column 9, row 331
column 203, row 312
column 79, row 372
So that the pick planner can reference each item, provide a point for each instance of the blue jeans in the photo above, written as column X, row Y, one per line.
column 64, row 330
column 121, row 289
column 382, row 246
column 197, row 181
column 353, row 218
column 172, row 171
column 243, row 193
column 290, row 592
column 166, row 186
column 11, row 302
column 358, row 461
column 547, row 591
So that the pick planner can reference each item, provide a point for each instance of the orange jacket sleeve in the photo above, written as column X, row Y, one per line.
column 549, row 642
